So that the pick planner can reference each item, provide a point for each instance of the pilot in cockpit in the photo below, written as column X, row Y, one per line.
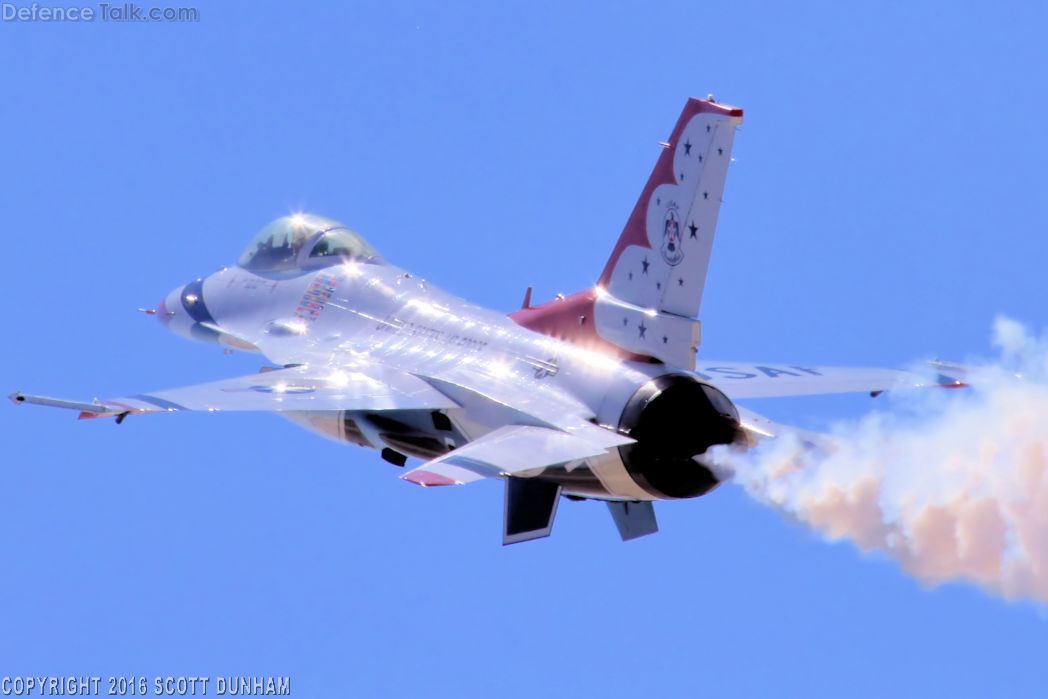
column 278, row 248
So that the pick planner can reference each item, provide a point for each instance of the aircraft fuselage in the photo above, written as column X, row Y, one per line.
column 356, row 313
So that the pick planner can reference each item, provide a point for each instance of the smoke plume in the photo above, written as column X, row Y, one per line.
column 953, row 487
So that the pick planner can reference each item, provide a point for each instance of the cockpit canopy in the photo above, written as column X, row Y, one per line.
column 304, row 241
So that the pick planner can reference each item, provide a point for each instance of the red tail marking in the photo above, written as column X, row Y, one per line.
column 635, row 232
column 571, row 319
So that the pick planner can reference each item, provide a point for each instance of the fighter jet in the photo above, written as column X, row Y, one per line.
column 594, row 395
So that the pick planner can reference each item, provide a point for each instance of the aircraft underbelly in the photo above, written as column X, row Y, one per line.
column 420, row 434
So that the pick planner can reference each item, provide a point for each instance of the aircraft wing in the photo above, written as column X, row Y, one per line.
column 294, row 388
column 740, row 381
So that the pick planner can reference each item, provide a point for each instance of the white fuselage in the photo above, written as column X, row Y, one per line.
column 356, row 313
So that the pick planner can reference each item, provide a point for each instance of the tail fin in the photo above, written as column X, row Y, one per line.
column 661, row 258
column 649, row 294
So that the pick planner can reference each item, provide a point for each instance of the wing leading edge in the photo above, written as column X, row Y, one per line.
column 375, row 388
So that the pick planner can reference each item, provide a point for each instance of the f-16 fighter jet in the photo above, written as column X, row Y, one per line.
column 596, row 395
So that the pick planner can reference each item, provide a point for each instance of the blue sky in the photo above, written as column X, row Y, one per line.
column 887, row 203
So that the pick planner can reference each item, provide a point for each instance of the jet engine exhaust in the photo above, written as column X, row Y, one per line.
column 951, row 484
column 675, row 418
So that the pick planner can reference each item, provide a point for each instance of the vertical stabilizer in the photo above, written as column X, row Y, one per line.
column 647, row 300
column 661, row 258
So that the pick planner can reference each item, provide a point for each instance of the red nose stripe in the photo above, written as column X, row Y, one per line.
column 161, row 313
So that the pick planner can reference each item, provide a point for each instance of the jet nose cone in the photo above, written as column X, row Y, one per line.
column 172, row 314
column 162, row 314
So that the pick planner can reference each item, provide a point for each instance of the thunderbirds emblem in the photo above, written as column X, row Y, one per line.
column 671, row 248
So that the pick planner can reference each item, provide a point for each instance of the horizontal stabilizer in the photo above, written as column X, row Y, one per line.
column 759, row 428
column 531, row 506
column 514, row 449
column 740, row 380
column 633, row 519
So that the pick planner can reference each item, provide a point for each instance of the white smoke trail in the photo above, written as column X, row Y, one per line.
column 954, row 487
